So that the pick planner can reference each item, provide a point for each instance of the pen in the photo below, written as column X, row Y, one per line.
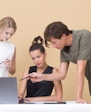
column 1, row 62
column 24, row 78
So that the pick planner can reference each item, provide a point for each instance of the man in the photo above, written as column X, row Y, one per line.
column 75, row 46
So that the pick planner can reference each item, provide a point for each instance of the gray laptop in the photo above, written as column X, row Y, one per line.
column 8, row 90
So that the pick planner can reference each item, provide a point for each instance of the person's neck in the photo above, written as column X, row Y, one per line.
column 69, row 40
column 41, row 69
column 1, row 40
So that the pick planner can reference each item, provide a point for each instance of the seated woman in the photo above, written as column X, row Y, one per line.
column 39, row 91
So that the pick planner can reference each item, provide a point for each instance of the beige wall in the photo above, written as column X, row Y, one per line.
column 32, row 16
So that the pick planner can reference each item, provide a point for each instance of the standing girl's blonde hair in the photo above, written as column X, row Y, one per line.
column 7, row 22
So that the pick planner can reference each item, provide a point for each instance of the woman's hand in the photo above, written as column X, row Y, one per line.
column 8, row 63
column 20, row 100
column 10, row 66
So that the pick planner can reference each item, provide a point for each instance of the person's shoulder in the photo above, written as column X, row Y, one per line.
column 26, row 71
column 86, row 34
column 50, row 67
column 32, row 67
column 53, row 68
column 85, row 31
column 82, row 33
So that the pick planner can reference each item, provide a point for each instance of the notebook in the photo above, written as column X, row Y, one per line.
column 8, row 90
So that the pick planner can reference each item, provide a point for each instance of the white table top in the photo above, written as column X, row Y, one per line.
column 69, row 107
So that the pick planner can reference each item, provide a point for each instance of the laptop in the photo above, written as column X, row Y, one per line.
column 8, row 90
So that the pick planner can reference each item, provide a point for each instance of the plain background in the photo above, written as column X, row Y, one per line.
column 32, row 16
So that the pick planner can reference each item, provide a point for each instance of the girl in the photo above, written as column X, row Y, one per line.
column 7, row 49
column 39, row 91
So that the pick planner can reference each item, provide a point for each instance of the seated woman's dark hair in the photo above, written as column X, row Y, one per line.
column 37, row 44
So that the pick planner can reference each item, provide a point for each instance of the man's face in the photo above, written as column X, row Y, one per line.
column 57, row 43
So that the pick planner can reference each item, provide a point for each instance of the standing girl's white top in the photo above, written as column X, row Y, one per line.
column 6, row 52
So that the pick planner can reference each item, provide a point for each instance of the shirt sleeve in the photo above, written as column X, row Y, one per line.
column 63, row 56
column 85, row 46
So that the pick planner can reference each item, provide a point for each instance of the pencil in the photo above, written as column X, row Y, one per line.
column 24, row 78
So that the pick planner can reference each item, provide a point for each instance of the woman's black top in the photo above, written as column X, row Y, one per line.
column 43, row 88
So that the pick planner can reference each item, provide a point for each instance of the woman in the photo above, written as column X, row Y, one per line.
column 39, row 91
column 7, row 49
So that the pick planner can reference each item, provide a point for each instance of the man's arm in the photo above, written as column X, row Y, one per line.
column 57, row 75
column 81, row 65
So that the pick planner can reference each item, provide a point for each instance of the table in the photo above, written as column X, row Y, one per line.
column 45, row 107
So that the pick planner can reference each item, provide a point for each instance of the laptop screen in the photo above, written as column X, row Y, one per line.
column 8, row 90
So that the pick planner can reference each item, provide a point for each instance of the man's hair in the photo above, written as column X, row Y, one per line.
column 56, row 30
